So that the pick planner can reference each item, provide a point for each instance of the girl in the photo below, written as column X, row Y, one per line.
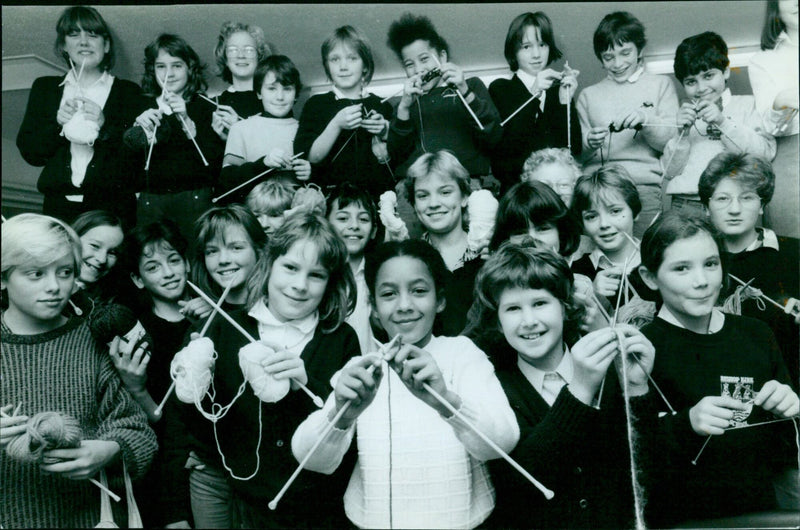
column 773, row 76
column 530, row 49
column 85, row 173
column 343, row 132
column 529, row 317
column 354, row 217
column 101, row 240
column 628, row 99
column 438, row 186
column 51, row 362
column 300, row 294
column 418, row 465
column 178, row 184
column 265, row 142
column 607, row 204
column 719, row 371
column 240, row 48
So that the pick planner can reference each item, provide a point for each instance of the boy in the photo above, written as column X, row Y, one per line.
column 269, row 201
column 265, row 141
column 735, row 188
column 627, row 100
column 354, row 217
column 711, row 120
column 51, row 362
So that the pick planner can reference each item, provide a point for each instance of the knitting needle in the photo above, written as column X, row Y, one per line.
column 203, row 96
column 622, row 287
column 315, row 398
column 171, row 389
column 17, row 409
column 387, row 98
column 461, row 96
column 243, row 184
column 273, row 504
column 183, row 122
column 150, row 150
column 110, row 493
column 765, row 297
column 694, row 462
column 343, row 146
column 502, row 123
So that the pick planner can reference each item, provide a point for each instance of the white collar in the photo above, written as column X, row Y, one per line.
column 766, row 238
column 714, row 325
column 71, row 79
column 339, row 95
column 361, row 265
column 536, row 376
column 634, row 76
column 528, row 80
column 600, row 260
column 264, row 316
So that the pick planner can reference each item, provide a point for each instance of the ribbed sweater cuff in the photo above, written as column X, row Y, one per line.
column 571, row 414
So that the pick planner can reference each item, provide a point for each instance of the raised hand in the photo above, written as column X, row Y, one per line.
column 357, row 386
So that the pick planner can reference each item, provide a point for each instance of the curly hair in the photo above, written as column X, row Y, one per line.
column 411, row 28
column 750, row 171
column 176, row 47
column 263, row 48
column 699, row 53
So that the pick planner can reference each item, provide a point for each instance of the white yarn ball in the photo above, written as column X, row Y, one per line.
column 191, row 368
column 481, row 209
column 251, row 360
column 81, row 130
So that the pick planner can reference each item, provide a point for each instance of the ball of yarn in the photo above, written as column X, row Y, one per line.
column 309, row 198
column 264, row 385
column 191, row 369
column 396, row 229
column 637, row 312
column 110, row 320
column 43, row 432
column 163, row 106
column 81, row 130
column 481, row 210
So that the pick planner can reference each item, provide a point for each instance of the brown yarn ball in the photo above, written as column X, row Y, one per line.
column 45, row 431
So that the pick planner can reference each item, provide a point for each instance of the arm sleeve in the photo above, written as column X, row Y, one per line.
column 487, row 113
column 587, row 153
column 122, row 420
column 666, row 108
column 676, row 154
column 39, row 135
column 765, row 87
column 745, row 132
column 483, row 404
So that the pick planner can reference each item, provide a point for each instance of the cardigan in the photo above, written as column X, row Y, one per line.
column 733, row 474
column 108, row 184
column 351, row 157
column 246, row 103
column 530, row 129
column 439, row 120
column 416, row 469
column 238, row 432
column 64, row 370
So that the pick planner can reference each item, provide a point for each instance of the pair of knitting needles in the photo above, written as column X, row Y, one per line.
column 245, row 183
column 315, row 398
column 529, row 100
column 789, row 309
column 384, row 350
column 160, row 407
column 90, row 479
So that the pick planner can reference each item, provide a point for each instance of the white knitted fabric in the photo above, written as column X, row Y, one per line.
column 396, row 229
column 481, row 210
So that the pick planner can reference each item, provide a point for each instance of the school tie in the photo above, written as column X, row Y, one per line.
column 551, row 386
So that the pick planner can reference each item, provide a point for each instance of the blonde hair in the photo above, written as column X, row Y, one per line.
column 550, row 155
column 31, row 238
column 272, row 197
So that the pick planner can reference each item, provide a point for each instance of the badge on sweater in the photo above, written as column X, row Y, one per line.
column 740, row 388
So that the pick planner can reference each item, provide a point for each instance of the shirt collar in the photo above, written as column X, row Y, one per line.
column 766, row 238
column 714, row 325
column 634, row 76
column 266, row 114
column 600, row 260
column 528, row 80
column 536, row 376
column 338, row 94
column 71, row 79
column 361, row 265
column 264, row 316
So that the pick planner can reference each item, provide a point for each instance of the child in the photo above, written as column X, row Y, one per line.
column 81, row 174
column 735, row 188
column 607, row 203
column 440, row 119
column 773, row 74
column 179, row 181
column 530, row 49
column 51, row 362
column 629, row 98
column 343, row 132
column 554, row 167
column 719, row 371
column 711, row 120
column 529, row 315
column 438, row 186
column 265, row 141
column 300, row 295
column 240, row 48
column 354, row 217
column 418, row 465
column 269, row 201
column 101, row 239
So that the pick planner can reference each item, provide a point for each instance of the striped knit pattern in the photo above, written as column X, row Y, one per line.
column 64, row 371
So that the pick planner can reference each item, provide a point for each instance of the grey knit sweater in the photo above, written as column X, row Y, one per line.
column 63, row 370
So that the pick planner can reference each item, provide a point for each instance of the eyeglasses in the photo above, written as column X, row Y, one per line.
column 249, row 51
column 560, row 187
column 723, row 200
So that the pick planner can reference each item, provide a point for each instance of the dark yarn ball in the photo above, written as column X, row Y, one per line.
column 110, row 320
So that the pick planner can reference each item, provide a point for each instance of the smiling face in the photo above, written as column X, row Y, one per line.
column 85, row 47
column 606, row 220
column 533, row 53
column 787, row 10
column 689, row 280
column 420, row 57
column 346, row 67
column 276, row 98
column 230, row 256
column 707, row 85
column 38, row 294
column 532, row 321
column 241, row 55
column 162, row 271
column 171, row 69
column 734, row 210
column 621, row 61
column 99, row 247
column 438, row 202
column 297, row 282
column 354, row 224
column 406, row 301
